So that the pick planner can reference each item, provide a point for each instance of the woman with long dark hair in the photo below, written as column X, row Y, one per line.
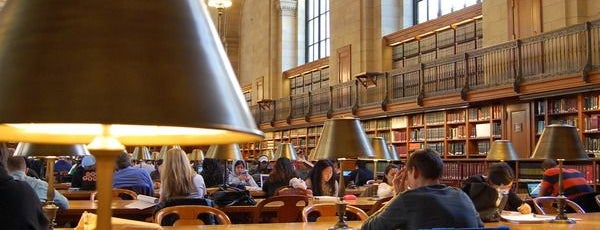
column 320, row 179
column 280, row 176
column 386, row 188
column 213, row 172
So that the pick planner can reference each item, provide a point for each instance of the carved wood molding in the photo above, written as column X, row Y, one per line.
column 308, row 67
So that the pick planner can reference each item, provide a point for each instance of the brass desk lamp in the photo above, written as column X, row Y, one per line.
column 343, row 138
column 560, row 142
column 49, row 152
column 100, row 73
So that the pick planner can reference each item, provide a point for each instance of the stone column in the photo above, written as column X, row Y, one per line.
column 289, row 50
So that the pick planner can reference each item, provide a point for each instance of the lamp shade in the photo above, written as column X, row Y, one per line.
column 269, row 154
column 343, row 138
column 141, row 153
column 229, row 152
column 286, row 150
column 560, row 142
column 380, row 149
column 72, row 71
column 45, row 150
column 196, row 155
column 502, row 150
column 393, row 152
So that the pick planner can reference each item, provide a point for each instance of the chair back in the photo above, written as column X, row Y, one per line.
column 328, row 212
column 188, row 214
column 371, row 191
column 378, row 204
column 546, row 205
column 289, row 211
column 598, row 199
column 588, row 201
column 118, row 194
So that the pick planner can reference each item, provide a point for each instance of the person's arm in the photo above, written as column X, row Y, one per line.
column 251, row 182
column 148, row 181
column 516, row 204
column 61, row 201
column 391, row 216
column 200, row 186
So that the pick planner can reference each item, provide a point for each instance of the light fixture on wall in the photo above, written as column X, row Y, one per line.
column 90, row 79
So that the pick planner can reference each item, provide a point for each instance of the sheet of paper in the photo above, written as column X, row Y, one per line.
column 524, row 218
column 138, row 204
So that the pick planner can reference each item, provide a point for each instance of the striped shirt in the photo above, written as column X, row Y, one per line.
column 574, row 183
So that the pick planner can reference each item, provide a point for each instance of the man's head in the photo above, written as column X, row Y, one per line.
column 123, row 161
column 14, row 164
column 424, row 164
column 500, row 176
column 548, row 164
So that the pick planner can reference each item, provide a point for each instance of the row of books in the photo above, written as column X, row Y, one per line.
column 462, row 170
column 591, row 102
column 592, row 144
column 456, row 149
column 591, row 123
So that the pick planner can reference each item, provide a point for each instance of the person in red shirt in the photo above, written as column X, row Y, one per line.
column 574, row 183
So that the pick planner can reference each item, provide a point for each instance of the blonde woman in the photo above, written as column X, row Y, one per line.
column 178, row 179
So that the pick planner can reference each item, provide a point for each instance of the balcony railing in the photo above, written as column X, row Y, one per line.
column 571, row 50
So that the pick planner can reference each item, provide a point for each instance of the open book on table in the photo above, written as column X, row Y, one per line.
column 143, row 202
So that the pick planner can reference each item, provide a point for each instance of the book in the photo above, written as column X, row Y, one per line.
column 143, row 202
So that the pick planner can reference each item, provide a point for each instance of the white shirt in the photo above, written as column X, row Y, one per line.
column 385, row 190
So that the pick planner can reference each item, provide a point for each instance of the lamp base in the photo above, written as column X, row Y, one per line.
column 341, row 211
column 50, row 210
column 563, row 221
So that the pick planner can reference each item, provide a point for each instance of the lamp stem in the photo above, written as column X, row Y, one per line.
column 375, row 170
column 49, row 207
column 341, row 187
column 562, row 216
column 105, row 166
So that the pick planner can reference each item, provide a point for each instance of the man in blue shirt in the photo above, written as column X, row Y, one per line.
column 17, row 169
column 423, row 202
column 132, row 178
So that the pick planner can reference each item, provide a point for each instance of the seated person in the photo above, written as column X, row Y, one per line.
column 361, row 174
column 574, row 183
column 487, row 192
column 20, row 207
column 213, row 172
column 16, row 168
column 421, row 201
column 321, row 181
column 280, row 176
column 85, row 174
column 240, row 176
column 262, row 167
column 385, row 188
column 136, row 179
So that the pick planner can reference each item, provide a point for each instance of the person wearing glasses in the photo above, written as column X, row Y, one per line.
column 493, row 191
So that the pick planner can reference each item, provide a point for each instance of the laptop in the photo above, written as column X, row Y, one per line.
column 263, row 179
column 533, row 188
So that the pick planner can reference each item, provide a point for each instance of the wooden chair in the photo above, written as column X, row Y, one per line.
column 378, row 204
column 188, row 214
column 328, row 212
column 546, row 205
column 290, row 211
column 118, row 194
column 371, row 191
